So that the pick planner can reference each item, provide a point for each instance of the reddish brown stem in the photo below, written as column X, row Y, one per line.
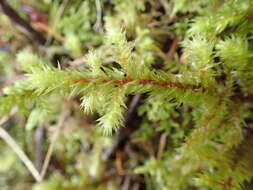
column 143, row 82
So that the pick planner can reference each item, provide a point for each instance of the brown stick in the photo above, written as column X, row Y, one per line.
column 39, row 143
column 47, row 29
column 11, row 13
column 173, row 48
column 162, row 145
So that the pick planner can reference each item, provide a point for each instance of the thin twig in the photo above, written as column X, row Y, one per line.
column 126, row 183
column 22, row 156
column 119, row 164
column 15, row 147
column 132, row 107
column 45, row 28
column 136, row 186
column 7, row 117
column 39, row 143
column 59, row 125
column 173, row 49
column 77, row 61
column 162, row 145
column 98, row 23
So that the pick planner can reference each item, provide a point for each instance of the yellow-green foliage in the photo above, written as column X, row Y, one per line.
column 195, row 101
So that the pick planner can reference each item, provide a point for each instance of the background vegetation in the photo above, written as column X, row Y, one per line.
column 126, row 94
